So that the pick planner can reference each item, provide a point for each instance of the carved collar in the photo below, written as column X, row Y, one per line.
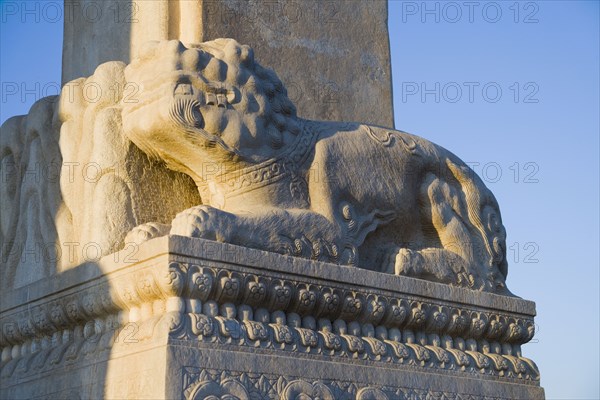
column 238, row 181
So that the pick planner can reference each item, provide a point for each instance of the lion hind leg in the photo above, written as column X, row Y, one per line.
column 455, row 261
column 444, row 208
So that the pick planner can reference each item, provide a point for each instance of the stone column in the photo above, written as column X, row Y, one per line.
column 333, row 56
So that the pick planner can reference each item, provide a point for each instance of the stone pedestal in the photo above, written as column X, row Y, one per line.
column 333, row 56
column 181, row 318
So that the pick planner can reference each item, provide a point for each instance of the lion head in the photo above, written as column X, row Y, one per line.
column 210, row 102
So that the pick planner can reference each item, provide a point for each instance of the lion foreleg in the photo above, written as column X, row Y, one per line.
column 300, row 233
column 297, row 232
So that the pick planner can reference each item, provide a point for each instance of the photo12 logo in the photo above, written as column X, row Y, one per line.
column 67, row 253
column 453, row 12
column 91, row 92
column 516, row 172
column 69, row 11
column 470, row 92
column 25, row 92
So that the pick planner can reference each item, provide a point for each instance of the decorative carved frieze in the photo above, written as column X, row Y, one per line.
column 203, row 383
column 200, row 300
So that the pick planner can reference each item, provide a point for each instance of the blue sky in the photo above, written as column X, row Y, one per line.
column 510, row 87
column 536, row 148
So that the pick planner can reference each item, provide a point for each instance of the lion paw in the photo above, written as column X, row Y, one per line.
column 409, row 263
column 143, row 233
column 203, row 222
column 430, row 264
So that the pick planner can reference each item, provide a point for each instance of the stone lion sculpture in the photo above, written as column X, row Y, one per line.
column 338, row 192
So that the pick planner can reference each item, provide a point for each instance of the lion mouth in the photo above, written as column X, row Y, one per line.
column 185, row 112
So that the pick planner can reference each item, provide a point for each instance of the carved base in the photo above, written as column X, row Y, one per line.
column 187, row 319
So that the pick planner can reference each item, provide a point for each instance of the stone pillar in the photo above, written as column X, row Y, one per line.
column 97, row 32
column 333, row 56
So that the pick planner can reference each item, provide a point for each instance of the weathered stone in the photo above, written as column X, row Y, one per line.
column 192, row 143
column 74, row 186
column 265, row 178
column 333, row 56
column 273, row 181
column 189, row 318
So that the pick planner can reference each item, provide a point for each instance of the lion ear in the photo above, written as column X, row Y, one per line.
column 247, row 55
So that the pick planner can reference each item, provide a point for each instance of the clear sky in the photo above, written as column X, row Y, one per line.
column 510, row 87
column 535, row 145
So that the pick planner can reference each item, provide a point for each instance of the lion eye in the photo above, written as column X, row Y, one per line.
column 211, row 99
column 221, row 100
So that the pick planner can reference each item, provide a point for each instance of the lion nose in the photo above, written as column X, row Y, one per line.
column 211, row 99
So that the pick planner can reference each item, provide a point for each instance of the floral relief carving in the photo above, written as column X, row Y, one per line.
column 201, row 325
column 200, row 282
column 237, row 384
column 330, row 302
column 228, row 288
column 306, row 300
column 256, row 330
column 375, row 310
column 302, row 390
column 371, row 394
column 226, row 390
column 352, row 307
column 396, row 315
column 171, row 280
column 283, row 334
column 281, row 295
column 256, row 292
column 345, row 323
